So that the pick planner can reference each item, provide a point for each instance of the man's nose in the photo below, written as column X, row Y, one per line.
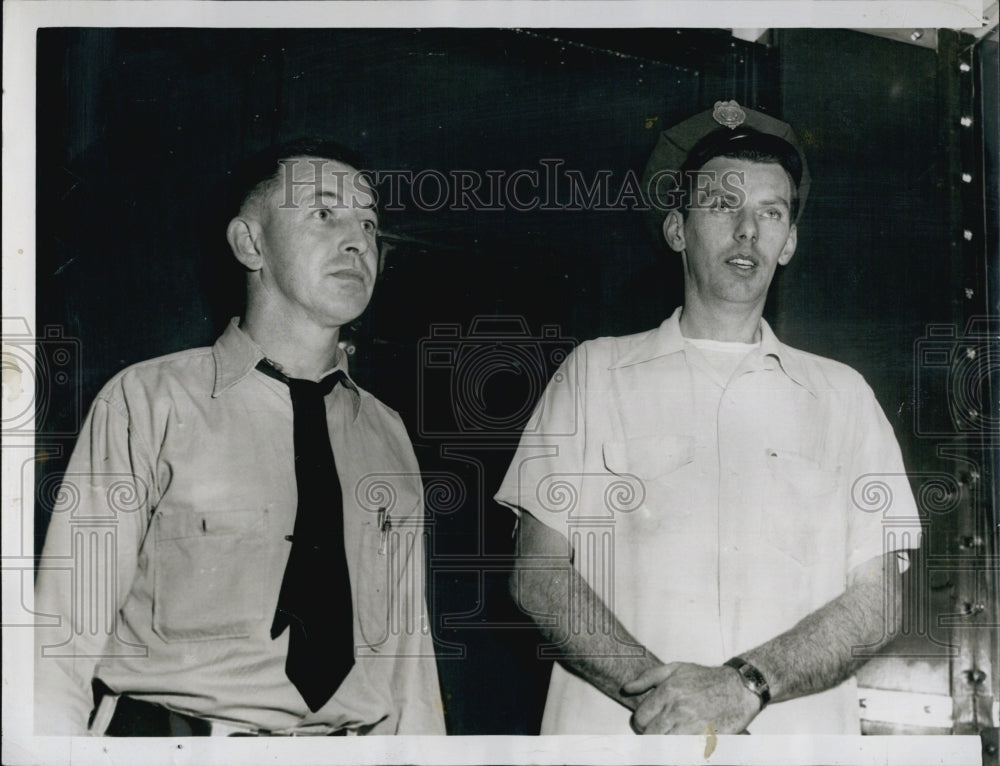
column 746, row 225
column 354, row 240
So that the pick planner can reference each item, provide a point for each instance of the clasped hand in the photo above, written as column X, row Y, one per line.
column 684, row 698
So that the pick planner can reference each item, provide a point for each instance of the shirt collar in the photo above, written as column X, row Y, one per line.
column 667, row 339
column 787, row 357
column 236, row 355
column 664, row 340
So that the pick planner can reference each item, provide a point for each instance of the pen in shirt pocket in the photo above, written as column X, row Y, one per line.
column 384, row 525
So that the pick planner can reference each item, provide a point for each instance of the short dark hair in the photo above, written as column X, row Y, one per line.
column 253, row 178
column 749, row 145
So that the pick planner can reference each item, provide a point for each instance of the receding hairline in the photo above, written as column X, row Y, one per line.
column 254, row 202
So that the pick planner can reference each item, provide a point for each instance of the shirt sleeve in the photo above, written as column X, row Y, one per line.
column 546, row 474
column 883, row 516
column 98, row 518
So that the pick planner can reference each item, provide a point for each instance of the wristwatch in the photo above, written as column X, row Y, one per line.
column 752, row 678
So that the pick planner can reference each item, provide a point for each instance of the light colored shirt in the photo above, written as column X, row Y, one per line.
column 710, row 512
column 167, row 547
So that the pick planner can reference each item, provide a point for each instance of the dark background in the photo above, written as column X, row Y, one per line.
column 137, row 130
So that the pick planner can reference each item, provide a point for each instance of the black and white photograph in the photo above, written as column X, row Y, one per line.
column 501, row 383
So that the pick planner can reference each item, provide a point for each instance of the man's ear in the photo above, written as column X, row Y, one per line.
column 242, row 234
column 673, row 230
column 789, row 249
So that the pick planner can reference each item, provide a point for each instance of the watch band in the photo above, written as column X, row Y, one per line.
column 752, row 679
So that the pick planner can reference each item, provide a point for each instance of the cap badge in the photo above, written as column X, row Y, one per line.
column 729, row 113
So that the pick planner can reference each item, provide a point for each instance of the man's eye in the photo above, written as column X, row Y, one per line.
column 773, row 213
column 322, row 214
column 369, row 226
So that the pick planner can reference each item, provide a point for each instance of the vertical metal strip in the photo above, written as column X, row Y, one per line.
column 979, row 63
column 970, row 399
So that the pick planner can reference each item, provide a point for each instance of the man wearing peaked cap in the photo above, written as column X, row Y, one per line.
column 726, row 123
column 694, row 538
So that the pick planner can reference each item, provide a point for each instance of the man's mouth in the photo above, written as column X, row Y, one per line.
column 350, row 274
column 742, row 262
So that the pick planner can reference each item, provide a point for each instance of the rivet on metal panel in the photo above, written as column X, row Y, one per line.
column 975, row 676
column 971, row 610
column 971, row 541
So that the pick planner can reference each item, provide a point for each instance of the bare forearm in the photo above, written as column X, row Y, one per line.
column 592, row 642
column 820, row 651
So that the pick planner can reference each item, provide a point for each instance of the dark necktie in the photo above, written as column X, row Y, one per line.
column 315, row 599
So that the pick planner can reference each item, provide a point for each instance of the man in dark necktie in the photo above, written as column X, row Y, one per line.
column 277, row 520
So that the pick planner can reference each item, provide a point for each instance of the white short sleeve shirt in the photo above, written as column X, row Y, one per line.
column 710, row 514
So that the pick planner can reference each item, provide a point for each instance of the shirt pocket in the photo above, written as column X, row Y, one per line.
column 207, row 581
column 384, row 570
column 649, row 457
column 800, row 515
column 647, row 474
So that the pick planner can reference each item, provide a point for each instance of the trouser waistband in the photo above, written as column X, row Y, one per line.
column 124, row 716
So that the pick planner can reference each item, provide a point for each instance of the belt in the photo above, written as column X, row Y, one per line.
column 135, row 718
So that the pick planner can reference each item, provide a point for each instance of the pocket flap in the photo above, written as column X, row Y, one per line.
column 648, row 457
column 177, row 526
column 395, row 495
column 804, row 474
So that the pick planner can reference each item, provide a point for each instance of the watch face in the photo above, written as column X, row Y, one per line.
column 753, row 680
